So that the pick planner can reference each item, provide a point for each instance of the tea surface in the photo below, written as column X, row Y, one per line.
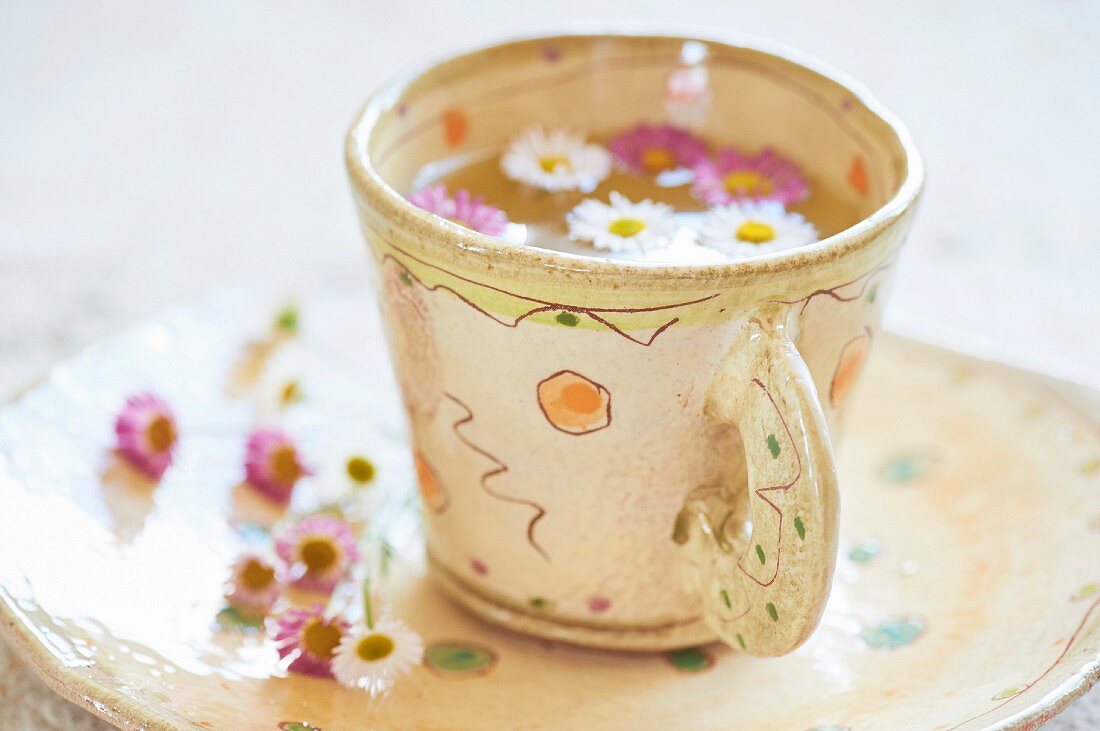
column 538, row 217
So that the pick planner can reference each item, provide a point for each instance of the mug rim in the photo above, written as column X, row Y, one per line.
column 395, row 207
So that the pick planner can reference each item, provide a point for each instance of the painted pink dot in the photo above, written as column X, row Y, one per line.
column 479, row 568
column 551, row 53
column 599, row 604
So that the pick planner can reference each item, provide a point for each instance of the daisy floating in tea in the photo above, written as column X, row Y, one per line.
column 653, row 192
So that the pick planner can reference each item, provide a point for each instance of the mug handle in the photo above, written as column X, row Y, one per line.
column 764, row 593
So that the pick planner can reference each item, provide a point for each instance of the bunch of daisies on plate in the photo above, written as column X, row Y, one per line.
column 315, row 581
column 747, row 194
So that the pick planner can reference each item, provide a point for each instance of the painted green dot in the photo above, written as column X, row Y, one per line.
column 772, row 612
column 286, row 321
column 253, row 533
column 872, row 294
column 1006, row 693
column 773, row 445
column 865, row 551
column 458, row 660
column 893, row 633
column 540, row 603
column 800, row 527
column 233, row 618
column 690, row 660
column 406, row 277
column 567, row 318
column 1092, row 467
column 1085, row 592
column 906, row 468
column 295, row 726
column 760, row 553
column 726, row 598
column 741, row 640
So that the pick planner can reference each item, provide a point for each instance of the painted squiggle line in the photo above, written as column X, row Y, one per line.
column 1029, row 686
column 500, row 469
column 832, row 291
column 759, row 492
column 595, row 313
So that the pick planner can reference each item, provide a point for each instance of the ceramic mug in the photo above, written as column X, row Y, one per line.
column 620, row 454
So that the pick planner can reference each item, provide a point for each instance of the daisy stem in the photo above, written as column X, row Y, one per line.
column 368, row 613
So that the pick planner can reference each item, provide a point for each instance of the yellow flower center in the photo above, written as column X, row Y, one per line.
column 360, row 469
column 374, row 647
column 755, row 232
column 257, row 575
column 283, row 464
column 626, row 227
column 747, row 182
column 289, row 393
column 160, row 434
column 321, row 638
column 550, row 163
column 318, row 554
column 658, row 160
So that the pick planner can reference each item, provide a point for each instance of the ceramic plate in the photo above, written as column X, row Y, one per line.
column 965, row 597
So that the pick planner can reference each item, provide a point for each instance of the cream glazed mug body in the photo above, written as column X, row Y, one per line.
column 613, row 453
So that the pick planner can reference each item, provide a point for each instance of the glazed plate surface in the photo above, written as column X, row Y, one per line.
column 965, row 596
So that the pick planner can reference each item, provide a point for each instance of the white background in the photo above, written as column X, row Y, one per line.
column 153, row 151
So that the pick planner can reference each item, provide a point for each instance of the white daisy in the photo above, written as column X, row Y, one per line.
column 361, row 470
column 557, row 159
column 373, row 658
column 754, row 227
column 279, row 386
column 622, row 225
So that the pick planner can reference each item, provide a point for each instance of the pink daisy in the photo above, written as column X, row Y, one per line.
column 464, row 209
column 309, row 639
column 146, row 432
column 734, row 177
column 254, row 585
column 272, row 464
column 318, row 550
column 653, row 149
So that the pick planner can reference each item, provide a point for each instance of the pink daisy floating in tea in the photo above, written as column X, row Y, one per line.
column 309, row 639
column 318, row 550
column 464, row 209
column 733, row 176
column 146, row 433
column 272, row 464
column 654, row 149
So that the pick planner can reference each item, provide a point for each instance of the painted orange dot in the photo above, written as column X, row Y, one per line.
column 456, row 126
column 584, row 398
column 848, row 368
column 857, row 176
column 431, row 489
column 573, row 403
